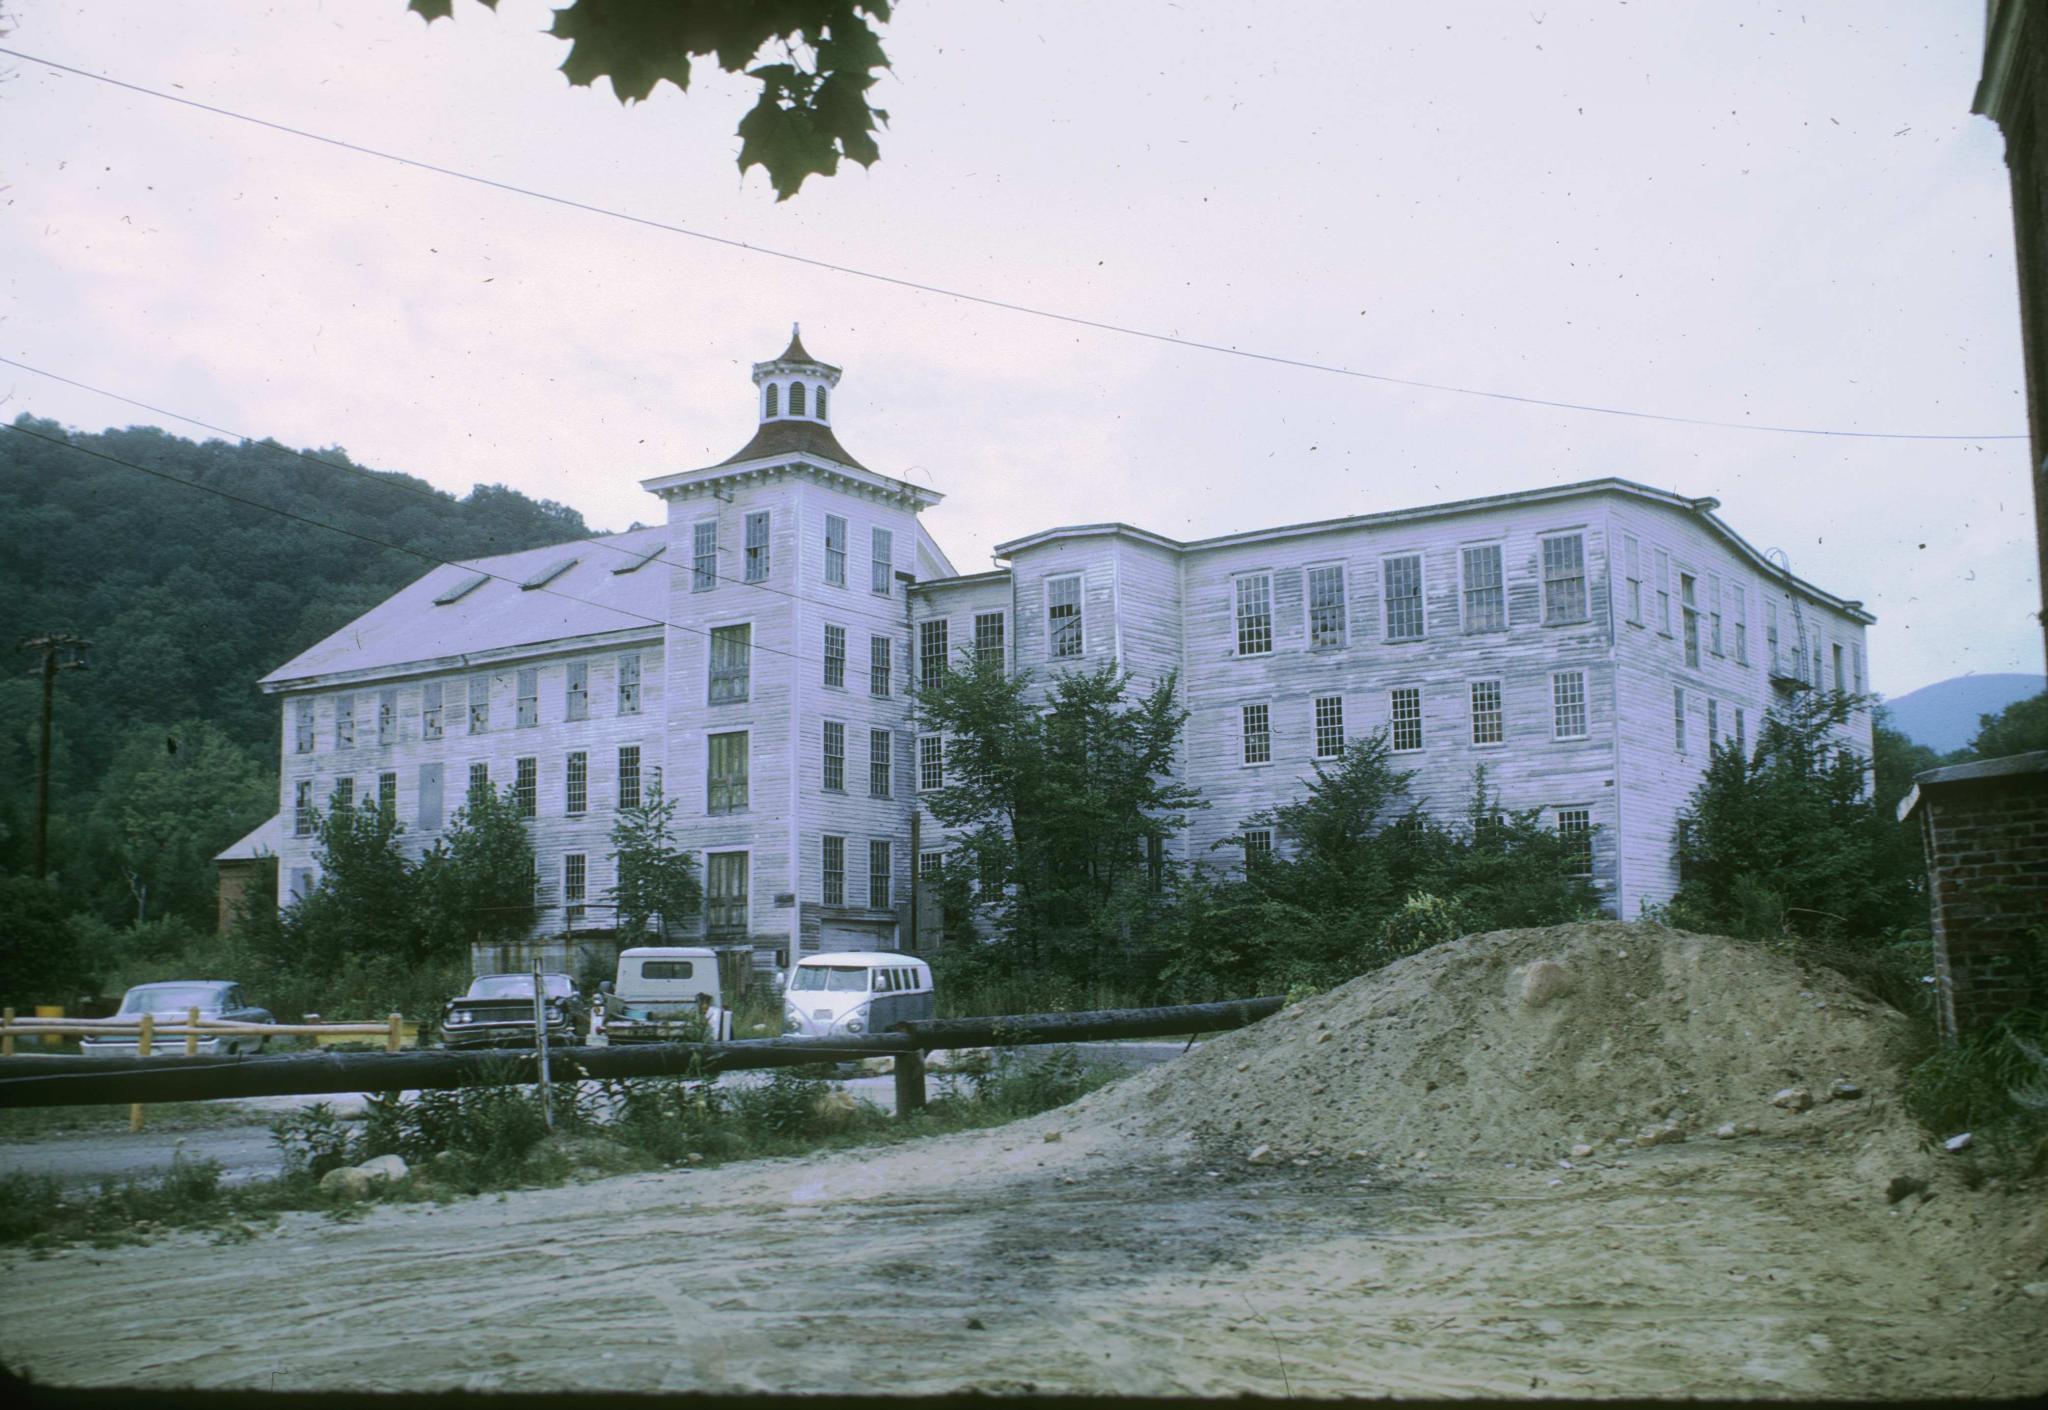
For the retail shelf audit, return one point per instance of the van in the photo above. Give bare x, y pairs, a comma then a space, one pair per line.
666, 994
855, 992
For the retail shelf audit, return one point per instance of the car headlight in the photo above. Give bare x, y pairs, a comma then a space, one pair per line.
856, 1024
457, 1019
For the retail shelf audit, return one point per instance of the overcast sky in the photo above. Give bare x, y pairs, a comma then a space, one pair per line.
1729, 211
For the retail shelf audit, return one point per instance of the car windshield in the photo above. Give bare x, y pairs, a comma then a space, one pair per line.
836, 978
173, 999
519, 986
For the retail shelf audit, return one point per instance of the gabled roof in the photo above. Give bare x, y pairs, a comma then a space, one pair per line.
612, 588
265, 841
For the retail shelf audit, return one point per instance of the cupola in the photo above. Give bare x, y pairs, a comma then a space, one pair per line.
795, 386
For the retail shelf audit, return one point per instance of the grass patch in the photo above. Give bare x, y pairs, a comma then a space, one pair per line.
44, 1123
1994, 1085
481, 1140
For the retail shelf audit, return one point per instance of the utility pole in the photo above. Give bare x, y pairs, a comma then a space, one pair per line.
61, 652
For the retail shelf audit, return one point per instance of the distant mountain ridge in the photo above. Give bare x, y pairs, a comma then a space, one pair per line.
1944, 716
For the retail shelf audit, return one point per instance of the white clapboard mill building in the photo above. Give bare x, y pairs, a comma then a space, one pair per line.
753, 656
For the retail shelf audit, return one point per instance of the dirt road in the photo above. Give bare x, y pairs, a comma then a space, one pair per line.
999, 1260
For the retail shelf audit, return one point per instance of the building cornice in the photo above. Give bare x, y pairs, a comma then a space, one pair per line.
705, 483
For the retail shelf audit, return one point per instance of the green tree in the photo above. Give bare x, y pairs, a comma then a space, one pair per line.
1064, 805
2017, 729
479, 882
1894, 760
656, 878
813, 109
40, 959
368, 902
1789, 839
173, 798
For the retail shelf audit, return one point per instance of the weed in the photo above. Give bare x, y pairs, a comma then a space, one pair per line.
1991, 1085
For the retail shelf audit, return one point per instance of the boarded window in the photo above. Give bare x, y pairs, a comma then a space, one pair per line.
881, 868
1405, 714
576, 784
757, 547
1485, 596
1401, 580
988, 639
880, 742
1488, 725
835, 656
1564, 579
835, 550
1329, 726
576, 691
732, 651
704, 556
1258, 734
880, 652
1255, 614
1327, 611
725, 773
1063, 628
526, 787
1841, 675
832, 889
629, 683
629, 775
430, 797
835, 756
1568, 705
931, 654
725, 895
529, 698
881, 560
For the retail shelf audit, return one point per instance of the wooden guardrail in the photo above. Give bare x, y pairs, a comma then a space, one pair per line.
89, 1081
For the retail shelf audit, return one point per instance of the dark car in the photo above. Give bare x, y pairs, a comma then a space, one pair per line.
498, 1012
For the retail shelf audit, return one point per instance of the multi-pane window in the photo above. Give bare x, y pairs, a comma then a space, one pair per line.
1405, 712
835, 656
1488, 721
1741, 624
988, 639
1741, 733
835, 550
344, 722
629, 683
576, 691
880, 652
1401, 579
879, 753
1713, 722
1664, 591
732, 653
1632, 564
575, 884
479, 704
1568, 705
304, 819
576, 784
931, 867
835, 756
1258, 845
1258, 734
430, 797
931, 654
479, 783
344, 795
1564, 578
881, 560
302, 727
725, 895
1714, 613
1326, 606
704, 559
1678, 717
1329, 726
629, 775
725, 773
1063, 616
1486, 603
387, 794
881, 869
526, 786
832, 882
528, 708
1771, 634
931, 762
430, 710
757, 547
1689, 611
387, 717
1575, 831
1815, 677
1255, 614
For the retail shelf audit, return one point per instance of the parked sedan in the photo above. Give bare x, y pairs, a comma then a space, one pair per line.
171, 1000
498, 1012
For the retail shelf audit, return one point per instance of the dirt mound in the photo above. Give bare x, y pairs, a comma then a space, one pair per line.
1524, 1043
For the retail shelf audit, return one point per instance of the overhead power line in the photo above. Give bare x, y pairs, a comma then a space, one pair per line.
421, 554
986, 301
434, 496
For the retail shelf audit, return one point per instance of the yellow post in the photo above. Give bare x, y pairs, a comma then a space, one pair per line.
192, 1032
396, 1035
142, 1045
6, 1032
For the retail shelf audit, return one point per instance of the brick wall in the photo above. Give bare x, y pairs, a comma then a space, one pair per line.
1987, 856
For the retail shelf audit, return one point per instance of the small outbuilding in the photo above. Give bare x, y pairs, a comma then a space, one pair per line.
246, 864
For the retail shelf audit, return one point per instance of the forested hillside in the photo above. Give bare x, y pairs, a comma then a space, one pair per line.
166, 751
